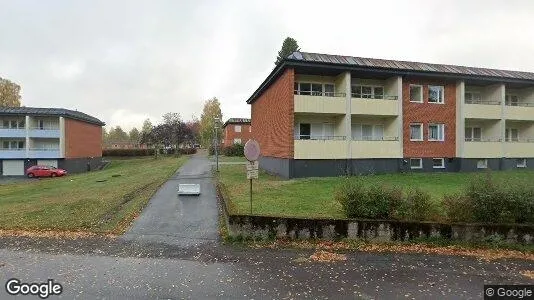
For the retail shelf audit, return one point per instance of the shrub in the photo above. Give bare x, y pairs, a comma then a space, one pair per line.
211, 150
458, 208
372, 203
234, 150
127, 152
187, 151
417, 206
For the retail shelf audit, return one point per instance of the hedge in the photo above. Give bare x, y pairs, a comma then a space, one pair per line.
146, 152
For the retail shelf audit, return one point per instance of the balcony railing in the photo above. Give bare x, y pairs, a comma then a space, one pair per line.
45, 128
321, 137
484, 139
484, 102
44, 149
375, 97
525, 104
518, 140
323, 94
376, 138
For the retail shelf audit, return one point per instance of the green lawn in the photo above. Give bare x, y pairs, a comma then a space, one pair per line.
80, 203
314, 197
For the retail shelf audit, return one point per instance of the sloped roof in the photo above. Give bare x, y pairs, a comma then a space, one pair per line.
407, 65
392, 67
236, 121
60, 112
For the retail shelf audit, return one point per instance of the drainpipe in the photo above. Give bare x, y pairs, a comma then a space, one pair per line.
348, 120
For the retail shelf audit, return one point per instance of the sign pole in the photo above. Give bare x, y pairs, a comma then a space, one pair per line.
251, 196
252, 153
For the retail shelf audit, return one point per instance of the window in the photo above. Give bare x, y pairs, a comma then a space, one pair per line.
304, 131
329, 90
237, 141
237, 128
511, 135
436, 132
21, 145
5, 124
314, 89
367, 132
435, 94
511, 100
438, 163
416, 93
40, 124
328, 130
416, 132
367, 91
482, 164
521, 162
320, 131
416, 163
317, 89
473, 134
472, 97
5, 145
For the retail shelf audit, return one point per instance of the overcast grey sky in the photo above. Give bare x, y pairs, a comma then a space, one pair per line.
124, 61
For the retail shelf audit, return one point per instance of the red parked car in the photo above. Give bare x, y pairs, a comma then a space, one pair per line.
44, 171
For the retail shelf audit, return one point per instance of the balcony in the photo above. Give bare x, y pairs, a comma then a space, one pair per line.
483, 147
43, 153
519, 111
46, 132
12, 153
519, 148
320, 147
386, 147
482, 109
383, 105
320, 102
12, 133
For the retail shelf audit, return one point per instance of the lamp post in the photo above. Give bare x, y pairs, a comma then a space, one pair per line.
216, 121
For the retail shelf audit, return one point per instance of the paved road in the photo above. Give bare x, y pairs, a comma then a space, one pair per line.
181, 220
172, 252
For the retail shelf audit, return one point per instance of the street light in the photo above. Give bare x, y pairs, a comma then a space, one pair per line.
217, 120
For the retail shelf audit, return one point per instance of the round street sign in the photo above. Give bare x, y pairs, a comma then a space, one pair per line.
252, 150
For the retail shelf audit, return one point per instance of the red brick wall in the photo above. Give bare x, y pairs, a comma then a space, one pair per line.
230, 134
427, 113
82, 139
272, 117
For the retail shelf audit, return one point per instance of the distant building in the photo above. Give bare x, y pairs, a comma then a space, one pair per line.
57, 137
236, 131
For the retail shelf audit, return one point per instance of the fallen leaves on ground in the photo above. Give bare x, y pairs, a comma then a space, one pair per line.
325, 256
52, 234
484, 254
529, 274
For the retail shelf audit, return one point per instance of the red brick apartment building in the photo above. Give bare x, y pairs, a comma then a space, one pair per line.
236, 131
57, 137
330, 115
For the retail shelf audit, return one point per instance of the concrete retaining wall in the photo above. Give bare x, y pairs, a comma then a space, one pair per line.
370, 230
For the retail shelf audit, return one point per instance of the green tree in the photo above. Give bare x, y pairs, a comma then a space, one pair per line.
147, 126
212, 110
134, 135
9, 93
117, 135
289, 46
171, 118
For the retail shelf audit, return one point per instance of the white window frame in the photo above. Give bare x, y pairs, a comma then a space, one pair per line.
521, 162
410, 93
442, 163
441, 132
472, 138
422, 132
484, 164
420, 166
508, 134
374, 130
361, 86
441, 94
237, 128
237, 141
508, 99
311, 83
472, 96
